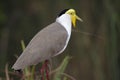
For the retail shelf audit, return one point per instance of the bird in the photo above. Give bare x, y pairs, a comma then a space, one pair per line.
51, 41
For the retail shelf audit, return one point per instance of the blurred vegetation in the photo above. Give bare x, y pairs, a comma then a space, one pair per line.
94, 44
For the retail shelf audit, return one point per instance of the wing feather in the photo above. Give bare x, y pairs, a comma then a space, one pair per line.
45, 44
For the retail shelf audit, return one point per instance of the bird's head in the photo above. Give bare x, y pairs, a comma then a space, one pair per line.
72, 14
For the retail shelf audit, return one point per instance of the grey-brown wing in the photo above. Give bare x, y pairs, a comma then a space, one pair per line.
47, 43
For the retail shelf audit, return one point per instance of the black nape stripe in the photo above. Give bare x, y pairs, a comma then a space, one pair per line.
63, 12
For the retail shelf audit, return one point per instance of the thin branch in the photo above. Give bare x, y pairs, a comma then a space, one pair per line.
89, 34
6, 72
72, 78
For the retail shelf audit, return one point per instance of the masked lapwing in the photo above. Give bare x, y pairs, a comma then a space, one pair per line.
49, 42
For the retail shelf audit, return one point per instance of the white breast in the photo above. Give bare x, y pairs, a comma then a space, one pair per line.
65, 21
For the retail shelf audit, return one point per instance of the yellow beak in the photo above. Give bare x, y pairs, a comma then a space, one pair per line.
74, 17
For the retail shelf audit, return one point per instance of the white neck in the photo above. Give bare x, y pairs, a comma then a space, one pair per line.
65, 21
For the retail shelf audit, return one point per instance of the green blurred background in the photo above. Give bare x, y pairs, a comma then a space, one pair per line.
94, 44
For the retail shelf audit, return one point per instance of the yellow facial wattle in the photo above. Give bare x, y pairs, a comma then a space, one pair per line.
74, 20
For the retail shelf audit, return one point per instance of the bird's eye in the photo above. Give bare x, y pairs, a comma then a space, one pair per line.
71, 13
